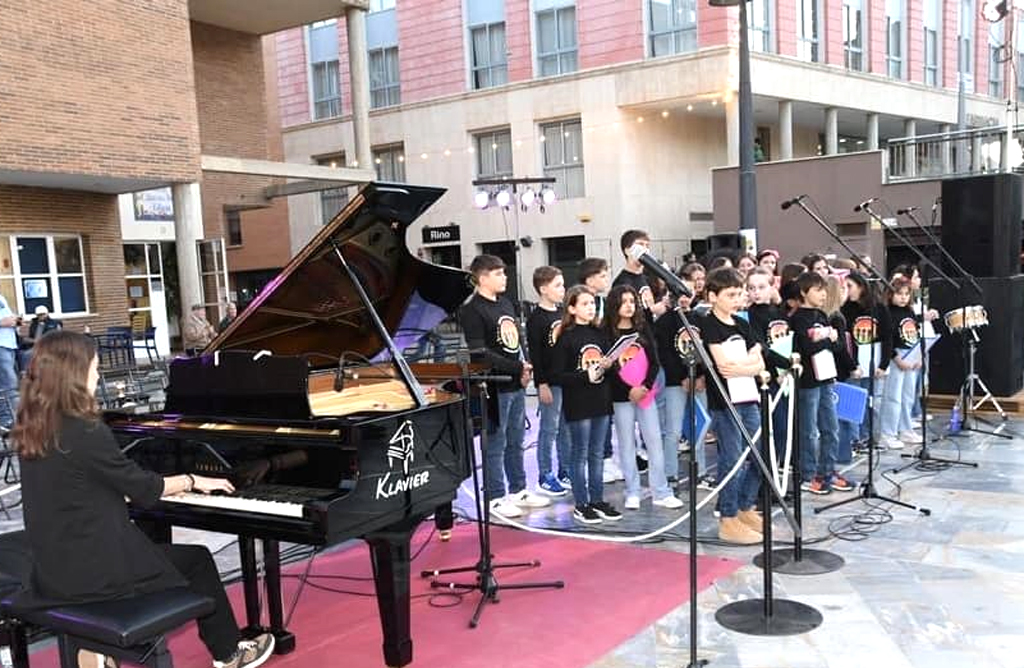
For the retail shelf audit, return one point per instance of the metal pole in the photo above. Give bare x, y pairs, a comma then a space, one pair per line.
748, 184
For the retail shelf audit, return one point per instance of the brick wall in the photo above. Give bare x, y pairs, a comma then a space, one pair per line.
833, 34
518, 40
785, 21
980, 55
83, 93
876, 37
949, 25
914, 50
230, 98
716, 26
292, 76
609, 32
94, 216
426, 70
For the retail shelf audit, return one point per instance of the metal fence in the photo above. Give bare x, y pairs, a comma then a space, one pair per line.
953, 154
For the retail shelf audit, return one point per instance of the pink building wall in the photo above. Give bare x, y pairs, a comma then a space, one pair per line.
609, 32
785, 21
716, 26
915, 36
949, 24
876, 37
344, 71
981, 55
517, 38
292, 77
833, 32
431, 53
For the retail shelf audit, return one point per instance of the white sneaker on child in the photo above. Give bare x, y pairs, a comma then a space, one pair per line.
505, 507
527, 499
890, 442
668, 502
632, 503
910, 438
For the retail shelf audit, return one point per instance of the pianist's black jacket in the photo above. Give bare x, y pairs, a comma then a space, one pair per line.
84, 547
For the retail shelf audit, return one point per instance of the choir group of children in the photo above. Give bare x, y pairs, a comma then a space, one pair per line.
616, 359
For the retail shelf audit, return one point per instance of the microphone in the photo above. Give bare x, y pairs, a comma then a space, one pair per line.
790, 202
865, 204
902, 212
936, 203
643, 255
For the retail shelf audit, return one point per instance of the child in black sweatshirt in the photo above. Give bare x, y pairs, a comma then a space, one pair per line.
631, 406
867, 320
579, 367
769, 324
814, 339
900, 391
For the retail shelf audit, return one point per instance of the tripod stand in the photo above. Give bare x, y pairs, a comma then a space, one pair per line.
965, 398
486, 582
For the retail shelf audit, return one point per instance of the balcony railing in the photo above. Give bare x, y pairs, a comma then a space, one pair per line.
954, 154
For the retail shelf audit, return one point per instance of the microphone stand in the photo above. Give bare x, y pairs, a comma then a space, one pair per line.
867, 488
969, 344
922, 455
486, 583
756, 616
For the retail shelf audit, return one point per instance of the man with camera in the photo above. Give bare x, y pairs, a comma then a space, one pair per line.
9, 323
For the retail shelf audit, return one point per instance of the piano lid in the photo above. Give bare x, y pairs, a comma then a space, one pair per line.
312, 308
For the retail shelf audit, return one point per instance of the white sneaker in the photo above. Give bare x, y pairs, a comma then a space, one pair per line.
890, 442
668, 502
505, 507
684, 445
527, 499
910, 438
607, 475
632, 503
612, 469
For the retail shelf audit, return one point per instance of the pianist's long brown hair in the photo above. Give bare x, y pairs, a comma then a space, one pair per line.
55, 385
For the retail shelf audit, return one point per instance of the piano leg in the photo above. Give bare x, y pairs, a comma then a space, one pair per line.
389, 551
250, 585
285, 640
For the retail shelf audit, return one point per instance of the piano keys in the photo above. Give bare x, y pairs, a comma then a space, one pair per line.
319, 453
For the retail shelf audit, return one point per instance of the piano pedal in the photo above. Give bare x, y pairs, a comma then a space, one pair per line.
445, 535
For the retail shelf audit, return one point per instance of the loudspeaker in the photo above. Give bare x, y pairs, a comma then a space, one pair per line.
727, 240
981, 223
1000, 358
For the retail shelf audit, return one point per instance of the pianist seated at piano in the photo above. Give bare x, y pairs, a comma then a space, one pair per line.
75, 484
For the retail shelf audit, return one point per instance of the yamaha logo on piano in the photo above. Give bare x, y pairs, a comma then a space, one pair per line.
401, 450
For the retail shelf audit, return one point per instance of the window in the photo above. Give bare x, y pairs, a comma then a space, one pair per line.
493, 154
760, 26
996, 60
325, 81
384, 83
563, 156
808, 21
1020, 61
673, 26
332, 200
381, 5
43, 271
565, 253
894, 38
853, 34
556, 41
932, 30
389, 163
490, 64
965, 44
233, 220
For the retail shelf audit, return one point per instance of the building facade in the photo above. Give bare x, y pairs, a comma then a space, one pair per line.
627, 104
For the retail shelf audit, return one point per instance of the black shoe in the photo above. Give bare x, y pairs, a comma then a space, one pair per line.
641, 464
586, 514
605, 511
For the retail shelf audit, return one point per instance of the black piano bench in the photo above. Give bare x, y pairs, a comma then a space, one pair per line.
129, 629
15, 563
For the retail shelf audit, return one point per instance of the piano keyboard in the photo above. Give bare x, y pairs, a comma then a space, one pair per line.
246, 504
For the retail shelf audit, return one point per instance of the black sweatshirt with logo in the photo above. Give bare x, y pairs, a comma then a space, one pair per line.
492, 333
586, 388
620, 390
542, 330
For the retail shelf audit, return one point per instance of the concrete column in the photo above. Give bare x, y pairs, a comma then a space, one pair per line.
188, 229
831, 131
977, 160
359, 78
785, 129
910, 150
732, 131
872, 132
947, 151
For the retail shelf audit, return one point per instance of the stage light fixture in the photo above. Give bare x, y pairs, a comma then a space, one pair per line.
481, 199
547, 195
527, 198
503, 198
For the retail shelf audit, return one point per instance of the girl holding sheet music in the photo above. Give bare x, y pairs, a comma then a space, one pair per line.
580, 367
846, 365
867, 320
634, 391
772, 330
900, 392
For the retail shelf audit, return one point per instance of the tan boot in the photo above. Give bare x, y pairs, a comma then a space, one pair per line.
751, 519
732, 530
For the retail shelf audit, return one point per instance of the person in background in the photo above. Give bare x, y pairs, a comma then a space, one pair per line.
816, 263
41, 324
75, 481
9, 323
868, 324
900, 391
846, 363
198, 331
769, 259
231, 314
633, 274
745, 263
696, 274
542, 330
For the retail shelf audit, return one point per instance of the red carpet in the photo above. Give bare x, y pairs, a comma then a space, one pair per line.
612, 592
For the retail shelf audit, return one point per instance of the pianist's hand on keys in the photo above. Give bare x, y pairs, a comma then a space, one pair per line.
180, 484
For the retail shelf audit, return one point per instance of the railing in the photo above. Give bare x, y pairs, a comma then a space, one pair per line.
953, 154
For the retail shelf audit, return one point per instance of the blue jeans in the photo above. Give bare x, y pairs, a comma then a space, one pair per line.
897, 401
819, 428
552, 428
8, 385
676, 398
627, 416
740, 493
504, 456
587, 437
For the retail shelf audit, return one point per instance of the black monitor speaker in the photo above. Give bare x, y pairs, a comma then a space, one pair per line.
724, 241
981, 223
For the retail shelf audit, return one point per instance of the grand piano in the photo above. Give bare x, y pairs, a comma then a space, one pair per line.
308, 406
